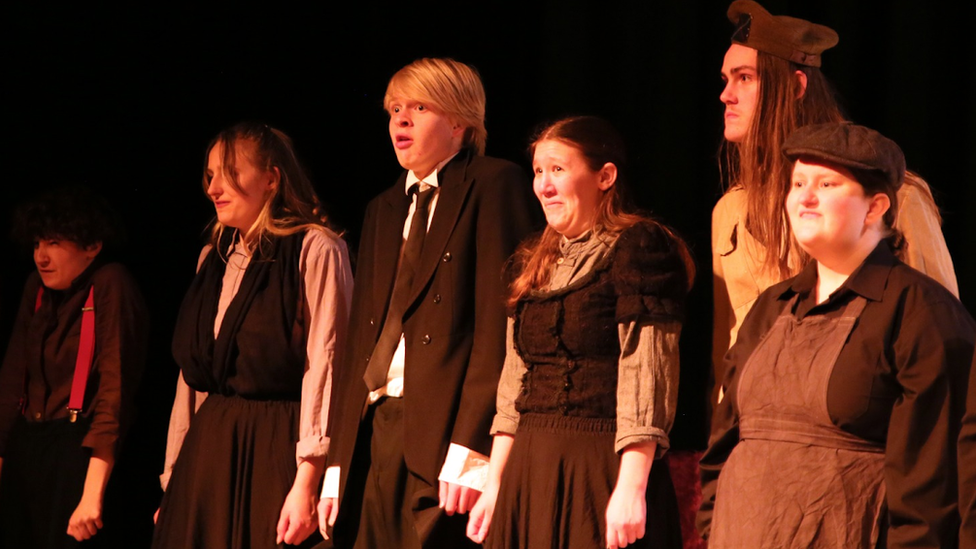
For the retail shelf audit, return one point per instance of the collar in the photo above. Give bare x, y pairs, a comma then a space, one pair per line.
868, 280
431, 179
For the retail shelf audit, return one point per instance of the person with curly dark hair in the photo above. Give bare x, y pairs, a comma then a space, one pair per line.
75, 357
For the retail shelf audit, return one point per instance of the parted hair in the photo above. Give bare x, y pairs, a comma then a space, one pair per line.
451, 88
291, 206
599, 143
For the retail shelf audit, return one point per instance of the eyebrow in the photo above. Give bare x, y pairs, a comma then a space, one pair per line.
741, 68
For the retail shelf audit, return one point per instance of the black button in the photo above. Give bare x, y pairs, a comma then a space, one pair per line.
425, 340
367, 358
446, 257
437, 298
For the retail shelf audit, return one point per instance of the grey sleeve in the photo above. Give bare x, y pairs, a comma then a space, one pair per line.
647, 383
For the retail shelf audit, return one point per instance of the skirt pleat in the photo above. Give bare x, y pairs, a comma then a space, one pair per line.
235, 468
557, 483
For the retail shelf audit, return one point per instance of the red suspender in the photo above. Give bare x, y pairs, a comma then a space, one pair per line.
86, 353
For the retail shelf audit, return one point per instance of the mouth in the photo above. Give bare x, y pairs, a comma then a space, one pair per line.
221, 203
402, 141
808, 215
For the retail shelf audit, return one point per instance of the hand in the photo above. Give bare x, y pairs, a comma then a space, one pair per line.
626, 516
298, 517
481, 513
86, 520
455, 498
328, 510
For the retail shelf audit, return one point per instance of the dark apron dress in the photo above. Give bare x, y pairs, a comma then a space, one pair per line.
795, 479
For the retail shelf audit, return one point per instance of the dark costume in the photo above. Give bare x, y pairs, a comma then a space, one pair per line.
840, 420
453, 329
562, 468
238, 460
45, 456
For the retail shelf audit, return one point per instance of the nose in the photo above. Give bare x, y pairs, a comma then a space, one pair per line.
727, 96
40, 254
215, 187
401, 119
543, 185
807, 195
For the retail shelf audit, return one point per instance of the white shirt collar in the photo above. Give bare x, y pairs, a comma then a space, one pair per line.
430, 179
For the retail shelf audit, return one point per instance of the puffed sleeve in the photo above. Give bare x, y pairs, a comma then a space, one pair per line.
933, 348
121, 339
327, 276
509, 386
649, 275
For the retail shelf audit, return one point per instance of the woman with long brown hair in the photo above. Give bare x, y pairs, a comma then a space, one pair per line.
589, 386
256, 338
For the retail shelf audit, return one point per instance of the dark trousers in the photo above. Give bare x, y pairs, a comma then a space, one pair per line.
397, 509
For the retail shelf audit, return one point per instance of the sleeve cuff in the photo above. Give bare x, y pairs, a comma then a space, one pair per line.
310, 447
649, 434
330, 486
465, 467
503, 424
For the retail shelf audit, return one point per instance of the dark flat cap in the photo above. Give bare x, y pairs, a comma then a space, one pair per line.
789, 38
851, 146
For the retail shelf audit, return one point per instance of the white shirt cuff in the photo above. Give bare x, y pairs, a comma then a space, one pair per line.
330, 486
465, 467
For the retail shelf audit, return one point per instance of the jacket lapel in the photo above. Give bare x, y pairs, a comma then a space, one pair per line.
454, 188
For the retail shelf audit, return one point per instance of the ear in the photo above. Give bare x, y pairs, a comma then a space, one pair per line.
801, 80
457, 129
275, 178
608, 176
92, 250
880, 203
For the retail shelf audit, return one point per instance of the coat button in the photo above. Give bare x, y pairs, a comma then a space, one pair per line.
37, 415
446, 258
437, 298
372, 322
425, 340
367, 358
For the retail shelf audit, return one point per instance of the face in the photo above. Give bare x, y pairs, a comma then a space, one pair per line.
59, 262
829, 212
569, 191
422, 137
238, 208
741, 91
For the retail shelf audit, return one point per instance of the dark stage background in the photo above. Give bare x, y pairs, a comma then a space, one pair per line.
124, 100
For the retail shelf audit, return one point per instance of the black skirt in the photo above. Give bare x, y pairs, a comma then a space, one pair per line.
235, 467
557, 484
41, 483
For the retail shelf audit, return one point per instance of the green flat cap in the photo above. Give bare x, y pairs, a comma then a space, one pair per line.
848, 145
788, 38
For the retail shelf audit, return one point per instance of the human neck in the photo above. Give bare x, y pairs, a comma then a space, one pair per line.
832, 272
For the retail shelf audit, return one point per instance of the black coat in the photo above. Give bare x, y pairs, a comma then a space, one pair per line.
454, 325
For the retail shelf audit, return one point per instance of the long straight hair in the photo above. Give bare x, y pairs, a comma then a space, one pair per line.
291, 206
757, 163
